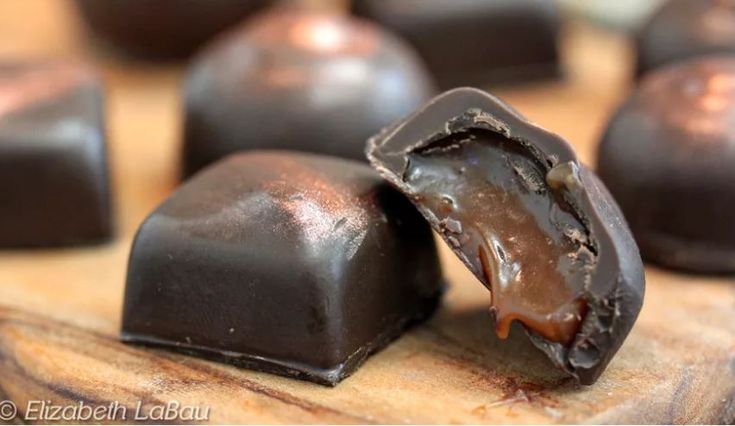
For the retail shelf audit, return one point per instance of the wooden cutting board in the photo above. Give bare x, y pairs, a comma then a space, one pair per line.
60, 309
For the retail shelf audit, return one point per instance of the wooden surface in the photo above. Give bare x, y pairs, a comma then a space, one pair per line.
60, 309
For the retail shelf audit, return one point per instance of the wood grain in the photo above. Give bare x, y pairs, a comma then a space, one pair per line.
450, 371
60, 309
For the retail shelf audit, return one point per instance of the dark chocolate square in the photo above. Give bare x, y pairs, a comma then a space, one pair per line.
289, 263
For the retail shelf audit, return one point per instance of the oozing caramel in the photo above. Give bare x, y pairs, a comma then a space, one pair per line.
519, 236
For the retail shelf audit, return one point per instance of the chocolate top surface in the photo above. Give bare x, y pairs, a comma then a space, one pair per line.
696, 98
55, 104
596, 274
320, 205
287, 49
26, 86
682, 29
679, 124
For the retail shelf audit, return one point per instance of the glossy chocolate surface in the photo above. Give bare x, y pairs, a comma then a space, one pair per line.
298, 80
53, 166
475, 42
683, 29
668, 156
162, 29
534, 225
288, 263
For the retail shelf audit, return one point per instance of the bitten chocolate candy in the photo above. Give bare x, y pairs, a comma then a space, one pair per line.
302, 81
53, 167
532, 223
668, 156
475, 42
162, 29
288, 263
683, 29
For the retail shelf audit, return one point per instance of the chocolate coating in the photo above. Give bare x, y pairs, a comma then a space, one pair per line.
475, 42
534, 225
288, 263
162, 29
302, 81
54, 186
683, 29
668, 156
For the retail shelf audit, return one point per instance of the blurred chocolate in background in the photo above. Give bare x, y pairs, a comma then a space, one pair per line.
301, 80
162, 29
683, 29
475, 42
54, 188
668, 157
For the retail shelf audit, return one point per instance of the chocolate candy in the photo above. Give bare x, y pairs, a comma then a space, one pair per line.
53, 168
162, 29
299, 80
294, 264
668, 156
475, 42
535, 226
683, 29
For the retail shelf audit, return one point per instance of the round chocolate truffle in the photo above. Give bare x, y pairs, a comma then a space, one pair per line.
683, 29
162, 29
298, 80
668, 157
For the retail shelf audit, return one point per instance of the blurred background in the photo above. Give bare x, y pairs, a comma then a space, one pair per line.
144, 123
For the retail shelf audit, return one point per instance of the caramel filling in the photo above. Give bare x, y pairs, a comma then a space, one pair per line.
520, 237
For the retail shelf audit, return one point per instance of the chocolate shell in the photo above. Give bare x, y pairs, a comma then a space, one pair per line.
668, 157
534, 225
54, 185
288, 263
684, 29
299, 80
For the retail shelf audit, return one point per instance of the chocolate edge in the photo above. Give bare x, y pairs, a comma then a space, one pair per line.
329, 376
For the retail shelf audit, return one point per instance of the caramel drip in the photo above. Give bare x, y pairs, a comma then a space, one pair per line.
552, 327
494, 206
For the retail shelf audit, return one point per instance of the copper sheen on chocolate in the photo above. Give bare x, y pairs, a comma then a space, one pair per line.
523, 241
